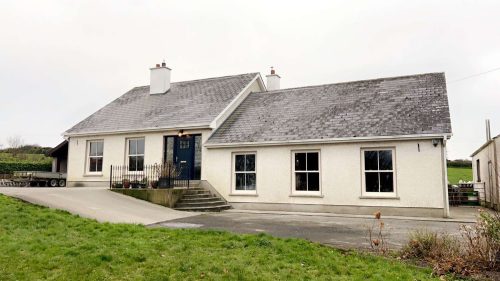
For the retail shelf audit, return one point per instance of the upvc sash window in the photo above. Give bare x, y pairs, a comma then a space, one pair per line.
245, 175
306, 175
136, 154
378, 172
95, 156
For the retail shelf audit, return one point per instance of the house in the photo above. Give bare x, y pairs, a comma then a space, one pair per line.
485, 171
59, 155
354, 147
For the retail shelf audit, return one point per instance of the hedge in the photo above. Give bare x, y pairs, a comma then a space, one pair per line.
9, 167
460, 163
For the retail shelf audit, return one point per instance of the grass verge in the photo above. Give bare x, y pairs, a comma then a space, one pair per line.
40, 243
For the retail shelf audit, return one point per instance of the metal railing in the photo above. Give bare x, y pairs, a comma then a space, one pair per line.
463, 194
150, 176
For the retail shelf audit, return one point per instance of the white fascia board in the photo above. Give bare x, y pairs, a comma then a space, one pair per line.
145, 130
232, 105
327, 141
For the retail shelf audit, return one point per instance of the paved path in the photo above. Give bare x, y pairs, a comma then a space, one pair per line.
341, 231
97, 203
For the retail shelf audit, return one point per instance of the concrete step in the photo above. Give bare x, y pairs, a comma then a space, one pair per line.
205, 209
200, 204
194, 196
198, 199
196, 192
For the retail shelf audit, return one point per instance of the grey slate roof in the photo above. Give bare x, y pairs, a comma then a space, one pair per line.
396, 106
189, 103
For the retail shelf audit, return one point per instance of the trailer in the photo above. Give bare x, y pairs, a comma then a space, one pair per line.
38, 178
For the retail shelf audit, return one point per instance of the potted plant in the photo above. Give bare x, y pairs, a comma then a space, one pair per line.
126, 183
166, 173
135, 184
154, 184
143, 183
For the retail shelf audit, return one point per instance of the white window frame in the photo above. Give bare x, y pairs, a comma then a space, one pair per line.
127, 156
88, 156
234, 191
394, 174
307, 192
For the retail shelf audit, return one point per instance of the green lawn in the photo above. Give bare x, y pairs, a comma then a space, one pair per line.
39, 243
457, 174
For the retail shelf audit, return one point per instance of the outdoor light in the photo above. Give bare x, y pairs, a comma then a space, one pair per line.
435, 142
181, 132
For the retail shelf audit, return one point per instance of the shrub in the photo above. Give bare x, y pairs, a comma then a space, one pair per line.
482, 241
478, 249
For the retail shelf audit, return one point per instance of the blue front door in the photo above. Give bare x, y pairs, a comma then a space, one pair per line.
184, 156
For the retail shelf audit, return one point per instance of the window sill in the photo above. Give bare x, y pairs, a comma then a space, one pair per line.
307, 195
93, 175
244, 194
379, 197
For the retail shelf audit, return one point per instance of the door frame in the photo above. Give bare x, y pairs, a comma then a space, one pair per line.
175, 151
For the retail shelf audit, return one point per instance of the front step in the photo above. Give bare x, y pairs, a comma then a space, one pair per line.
201, 200
205, 209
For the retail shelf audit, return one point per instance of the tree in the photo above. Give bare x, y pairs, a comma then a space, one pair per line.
14, 143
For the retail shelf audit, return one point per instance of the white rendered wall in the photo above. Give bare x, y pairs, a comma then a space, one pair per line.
488, 181
419, 175
115, 154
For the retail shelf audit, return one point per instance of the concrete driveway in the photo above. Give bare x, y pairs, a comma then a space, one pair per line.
97, 203
342, 231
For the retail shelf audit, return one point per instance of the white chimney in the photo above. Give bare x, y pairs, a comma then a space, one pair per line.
160, 79
488, 130
273, 81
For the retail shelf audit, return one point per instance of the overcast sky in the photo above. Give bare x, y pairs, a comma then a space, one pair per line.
60, 61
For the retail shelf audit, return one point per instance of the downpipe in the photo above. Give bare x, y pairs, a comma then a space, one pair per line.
446, 201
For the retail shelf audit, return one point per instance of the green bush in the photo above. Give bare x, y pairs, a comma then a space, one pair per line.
9, 167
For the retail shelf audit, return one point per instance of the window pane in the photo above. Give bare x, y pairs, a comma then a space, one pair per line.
93, 149
140, 146
386, 182
312, 161
184, 143
385, 159
371, 160
140, 163
251, 181
239, 163
301, 181
371, 182
99, 165
100, 146
132, 147
240, 181
132, 163
197, 157
169, 157
250, 163
93, 165
313, 181
300, 161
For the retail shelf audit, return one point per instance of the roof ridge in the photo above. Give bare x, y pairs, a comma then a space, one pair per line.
351, 82
204, 79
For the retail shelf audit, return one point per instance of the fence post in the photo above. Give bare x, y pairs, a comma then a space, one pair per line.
111, 177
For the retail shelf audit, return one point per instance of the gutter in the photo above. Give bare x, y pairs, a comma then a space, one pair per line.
330, 140
188, 127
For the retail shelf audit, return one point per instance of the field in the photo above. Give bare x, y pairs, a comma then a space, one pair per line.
39, 243
456, 174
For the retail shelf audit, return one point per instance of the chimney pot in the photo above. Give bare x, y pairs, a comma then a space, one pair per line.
272, 70
159, 79
163, 64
